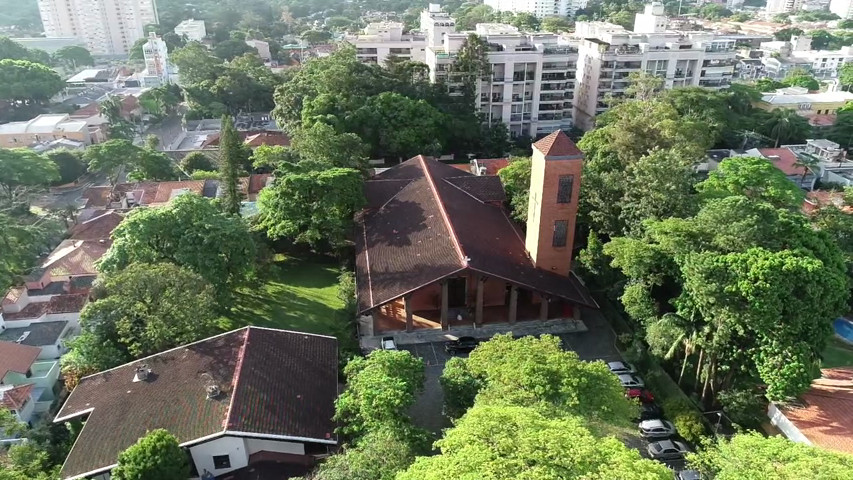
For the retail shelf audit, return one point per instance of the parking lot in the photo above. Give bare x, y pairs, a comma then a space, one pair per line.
598, 343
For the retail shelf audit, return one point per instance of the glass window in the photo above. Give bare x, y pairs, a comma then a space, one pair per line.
221, 461
564, 191
561, 230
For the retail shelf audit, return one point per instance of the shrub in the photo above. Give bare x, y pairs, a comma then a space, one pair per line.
206, 175
460, 387
686, 418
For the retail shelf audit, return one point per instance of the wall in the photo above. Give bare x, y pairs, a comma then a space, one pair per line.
26, 413
791, 432
254, 445
234, 447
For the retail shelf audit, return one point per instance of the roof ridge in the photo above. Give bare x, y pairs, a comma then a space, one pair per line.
447, 180
238, 368
453, 238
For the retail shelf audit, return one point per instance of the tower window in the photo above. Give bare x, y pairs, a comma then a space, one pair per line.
561, 230
564, 191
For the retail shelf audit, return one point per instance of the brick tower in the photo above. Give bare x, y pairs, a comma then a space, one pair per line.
555, 182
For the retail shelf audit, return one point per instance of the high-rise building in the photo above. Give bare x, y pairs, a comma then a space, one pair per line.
158, 70
194, 30
106, 27
842, 8
783, 6
381, 40
539, 8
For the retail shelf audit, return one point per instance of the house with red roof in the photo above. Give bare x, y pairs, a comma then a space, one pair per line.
254, 400
19, 401
436, 249
20, 367
821, 416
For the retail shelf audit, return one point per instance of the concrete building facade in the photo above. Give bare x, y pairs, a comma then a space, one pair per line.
381, 40
783, 6
157, 67
842, 8
539, 8
106, 27
194, 30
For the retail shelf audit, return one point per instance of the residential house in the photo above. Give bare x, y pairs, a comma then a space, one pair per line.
436, 249
44, 128
809, 105
254, 397
20, 402
48, 336
20, 366
821, 417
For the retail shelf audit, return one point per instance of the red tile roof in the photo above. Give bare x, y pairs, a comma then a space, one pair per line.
557, 144
17, 358
97, 196
13, 295
825, 418
425, 222
822, 120
824, 198
271, 382
267, 138
97, 228
166, 191
75, 257
784, 159
465, 167
16, 397
68, 303
493, 165
89, 110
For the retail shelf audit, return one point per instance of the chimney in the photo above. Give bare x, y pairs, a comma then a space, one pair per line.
212, 391
141, 374
555, 180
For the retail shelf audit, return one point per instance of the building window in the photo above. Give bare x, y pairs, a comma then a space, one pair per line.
221, 461
564, 191
561, 230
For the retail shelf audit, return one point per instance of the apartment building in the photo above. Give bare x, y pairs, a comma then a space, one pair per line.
609, 53
381, 40
106, 27
158, 70
539, 8
783, 6
797, 53
842, 8
533, 75
45, 127
194, 30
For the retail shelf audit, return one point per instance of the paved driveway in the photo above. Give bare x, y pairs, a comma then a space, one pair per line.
426, 412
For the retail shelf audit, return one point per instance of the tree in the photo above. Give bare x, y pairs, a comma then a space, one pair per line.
841, 132
755, 178
21, 170
152, 165
400, 127
110, 156
231, 49
802, 80
230, 150
22, 240
472, 61
196, 161
316, 37
270, 157
557, 24
12, 50
785, 34
190, 232
320, 143
379, 455
509, 442
471, 14
515, 178
120, 128
845, 75
195, 63
156, 456
73, 57
23, 82
380, 389
69, 163
751, 455
311, 206
785, 126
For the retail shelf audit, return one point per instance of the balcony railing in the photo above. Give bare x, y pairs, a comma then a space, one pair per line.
521, 77
560, 50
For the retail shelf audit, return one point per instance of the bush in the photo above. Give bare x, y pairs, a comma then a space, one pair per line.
460, 387
206, 175
686, 418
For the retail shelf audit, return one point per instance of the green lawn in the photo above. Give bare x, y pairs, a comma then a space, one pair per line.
837, 354
296, 294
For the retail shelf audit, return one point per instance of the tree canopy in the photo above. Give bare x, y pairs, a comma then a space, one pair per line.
73, 56
190, 232
156, 456
21, 170
23, 82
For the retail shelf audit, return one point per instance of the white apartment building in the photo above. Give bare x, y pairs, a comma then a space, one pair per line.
539, 8
194, 30
608, 54
842, 8
783, 6
263, 49
797, 53
106, 27
157, 68
381, 40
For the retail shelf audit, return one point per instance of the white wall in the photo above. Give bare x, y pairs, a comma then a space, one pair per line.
781, 421
254, 445
234, 447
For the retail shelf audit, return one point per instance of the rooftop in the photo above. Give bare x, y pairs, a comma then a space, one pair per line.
97, 228
796, 99
557, 144
75, 257
784, 159
273, 383
57, 304
46, 123
824, 417
426, 220
16, 358
14, 398
37, 334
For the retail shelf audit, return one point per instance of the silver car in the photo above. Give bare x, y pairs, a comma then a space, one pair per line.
657, 429
667, 450
631, 381
621, 367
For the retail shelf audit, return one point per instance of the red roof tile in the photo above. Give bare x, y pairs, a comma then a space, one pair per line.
15, 397
75, 257
557, 144
97, 196
493, 165
824, 198
97, 228
68, 303
166, 191
822, 120
267, 138
271, 382
17, 358
825, 417
13, 295
465, 167
784, 159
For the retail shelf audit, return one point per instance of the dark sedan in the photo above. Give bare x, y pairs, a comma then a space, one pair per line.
461, 345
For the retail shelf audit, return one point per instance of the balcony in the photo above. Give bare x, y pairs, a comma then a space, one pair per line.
555, 66
521, 77
560, 50
552, 87
553, 77
628, 65
518, 98
715, 83
552, 97
518, 117
365, 51
719, 63
546, 117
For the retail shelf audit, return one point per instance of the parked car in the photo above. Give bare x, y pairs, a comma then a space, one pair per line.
688, 475
657, 429
461, 345
649, 411
667, 450
388, 343
631, 381
641, 394
621, 367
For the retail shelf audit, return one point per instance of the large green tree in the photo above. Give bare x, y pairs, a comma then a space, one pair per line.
21, 170
785, 126
69, 164
515, 178
320, 143
379, 455
230, 152
73, 57
510, 442
755, 178
23, 82
311, 206
752, 455
190, 232
156, 456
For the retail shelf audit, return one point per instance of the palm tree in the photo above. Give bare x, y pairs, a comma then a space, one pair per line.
807, 162
674, 333
785, 126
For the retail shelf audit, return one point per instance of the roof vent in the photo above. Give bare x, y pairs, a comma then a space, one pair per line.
142, 373
23, 337
212, 391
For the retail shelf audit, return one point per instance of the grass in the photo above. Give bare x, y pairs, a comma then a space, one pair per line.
295, 294
837, 354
